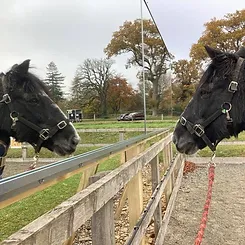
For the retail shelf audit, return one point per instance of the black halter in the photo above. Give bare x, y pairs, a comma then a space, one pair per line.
199, 129
44, 133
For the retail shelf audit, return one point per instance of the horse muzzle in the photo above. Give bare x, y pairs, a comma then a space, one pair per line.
184, 142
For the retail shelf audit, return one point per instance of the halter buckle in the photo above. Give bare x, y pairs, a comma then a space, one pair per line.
233, 86
62, 124
198, 130
44, 134
182, 121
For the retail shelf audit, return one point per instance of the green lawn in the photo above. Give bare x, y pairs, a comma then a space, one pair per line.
104, 137
224, 151
241, 137
19, 214
134, 124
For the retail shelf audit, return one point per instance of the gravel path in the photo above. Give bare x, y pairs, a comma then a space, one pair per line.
226, 223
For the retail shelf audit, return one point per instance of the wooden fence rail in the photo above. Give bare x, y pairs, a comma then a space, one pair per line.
95, 201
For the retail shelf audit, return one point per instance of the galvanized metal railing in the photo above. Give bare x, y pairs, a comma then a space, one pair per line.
14, 185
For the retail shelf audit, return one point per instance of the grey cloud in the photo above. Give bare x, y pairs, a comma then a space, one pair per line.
67, 32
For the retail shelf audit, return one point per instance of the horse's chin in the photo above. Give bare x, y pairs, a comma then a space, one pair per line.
188, 149
61, 151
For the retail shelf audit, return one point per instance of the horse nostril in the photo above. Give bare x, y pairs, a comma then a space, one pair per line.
75, 140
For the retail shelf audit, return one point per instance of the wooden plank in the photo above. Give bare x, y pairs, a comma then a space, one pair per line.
155, 176
169, 187
121, 203
135, 201
166, 218
134, 189
135, 193
145, 219
171, 151
128, 154
121, 135
103, 230
78, 209
84, 181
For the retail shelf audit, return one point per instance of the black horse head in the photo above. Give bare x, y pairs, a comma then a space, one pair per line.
217, 109
28, 114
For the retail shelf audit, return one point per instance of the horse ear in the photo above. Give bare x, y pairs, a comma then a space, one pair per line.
212, 52
241, 52
23, 67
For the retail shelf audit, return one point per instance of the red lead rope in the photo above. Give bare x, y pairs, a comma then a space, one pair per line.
207, 205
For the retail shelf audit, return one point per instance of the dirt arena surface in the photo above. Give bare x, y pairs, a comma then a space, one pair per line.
226, 222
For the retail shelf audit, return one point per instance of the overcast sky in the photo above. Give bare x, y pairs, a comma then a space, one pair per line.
69, 31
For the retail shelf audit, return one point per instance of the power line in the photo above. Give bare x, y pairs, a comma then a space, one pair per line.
156, 26
143, 61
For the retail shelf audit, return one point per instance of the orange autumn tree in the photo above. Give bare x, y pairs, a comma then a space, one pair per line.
187, 75
226, 34
127, 40
120, 94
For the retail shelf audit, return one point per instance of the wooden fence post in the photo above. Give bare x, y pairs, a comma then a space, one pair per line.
103, 231
166, 165
135, 193
121, 135
24, 150
84, 182
155, 176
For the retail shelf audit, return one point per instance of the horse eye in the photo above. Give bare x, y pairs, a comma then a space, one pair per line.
205, 94
33, 101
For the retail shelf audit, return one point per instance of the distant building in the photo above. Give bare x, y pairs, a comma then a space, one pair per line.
75, 115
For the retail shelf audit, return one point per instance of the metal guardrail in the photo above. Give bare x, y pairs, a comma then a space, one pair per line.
13, 185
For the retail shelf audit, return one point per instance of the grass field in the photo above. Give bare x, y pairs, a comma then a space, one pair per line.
134, 124
23, 212
19, 214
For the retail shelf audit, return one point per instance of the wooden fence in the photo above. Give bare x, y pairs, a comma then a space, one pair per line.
95, 201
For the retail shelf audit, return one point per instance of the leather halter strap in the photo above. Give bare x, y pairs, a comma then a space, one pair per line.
199, 129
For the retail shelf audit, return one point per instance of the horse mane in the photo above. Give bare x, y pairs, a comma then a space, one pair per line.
31, 82
224, 64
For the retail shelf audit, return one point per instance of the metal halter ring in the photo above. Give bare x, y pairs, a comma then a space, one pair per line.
226, 106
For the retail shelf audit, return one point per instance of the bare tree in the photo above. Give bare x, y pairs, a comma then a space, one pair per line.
94, 76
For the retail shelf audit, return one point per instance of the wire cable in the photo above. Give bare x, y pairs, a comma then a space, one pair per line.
156, 26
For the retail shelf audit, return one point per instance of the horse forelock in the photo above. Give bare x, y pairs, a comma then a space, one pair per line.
37, 83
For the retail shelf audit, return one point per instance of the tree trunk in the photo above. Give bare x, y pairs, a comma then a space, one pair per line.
104, 107
155, 98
